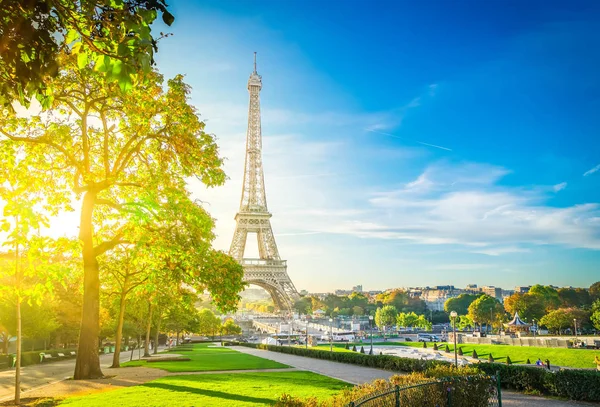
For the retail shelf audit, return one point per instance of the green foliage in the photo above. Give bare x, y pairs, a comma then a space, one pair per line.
594, 291
424, 345
386, 316
474, 354
486, 310
490, 358
231, 328
460, 304
409, 320
508, 361
447, 350
529, 306
562, 318
353, 348
347, 346
569, 383
113, 36
400, 300
303, 306
460, 351
595, 315
362, 350
435, 346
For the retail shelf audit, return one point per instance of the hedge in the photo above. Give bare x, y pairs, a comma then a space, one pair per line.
574, 384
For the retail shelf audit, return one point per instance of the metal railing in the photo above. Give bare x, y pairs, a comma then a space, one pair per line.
461, 391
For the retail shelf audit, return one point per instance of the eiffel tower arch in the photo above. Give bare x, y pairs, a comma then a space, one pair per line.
268, 271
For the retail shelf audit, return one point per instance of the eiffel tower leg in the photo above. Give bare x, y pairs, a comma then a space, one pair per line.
238, 244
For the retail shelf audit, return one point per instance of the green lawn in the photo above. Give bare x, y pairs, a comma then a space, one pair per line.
241, 389
582, 358
207, 357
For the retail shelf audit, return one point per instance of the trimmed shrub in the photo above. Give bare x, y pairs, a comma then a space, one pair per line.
447, 350
508, 361
380, 352
362, 350
347, 346
460, 352
491, 358
353, 348
424, 345
528, 361
435, 347
475, 355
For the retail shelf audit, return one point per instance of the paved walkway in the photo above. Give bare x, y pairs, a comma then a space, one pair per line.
359, 374
40, 375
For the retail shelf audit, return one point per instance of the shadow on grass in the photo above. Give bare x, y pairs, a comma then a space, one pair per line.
209, 393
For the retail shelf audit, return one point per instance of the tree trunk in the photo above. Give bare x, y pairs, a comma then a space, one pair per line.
157, 334
18, 365
148, 327
119, 335
88, 360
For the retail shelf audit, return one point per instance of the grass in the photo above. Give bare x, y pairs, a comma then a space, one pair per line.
577, 358
219, 390
207, 357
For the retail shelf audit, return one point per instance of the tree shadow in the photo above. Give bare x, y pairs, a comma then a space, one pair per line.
209, 393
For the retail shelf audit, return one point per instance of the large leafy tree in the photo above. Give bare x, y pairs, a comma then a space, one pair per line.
595, 291
460, 304
115, 34
529, 306
486, 310
122, 154
386, 316
574, 297
562, 318
547, 294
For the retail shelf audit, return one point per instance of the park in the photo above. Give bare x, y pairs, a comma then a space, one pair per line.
130, 276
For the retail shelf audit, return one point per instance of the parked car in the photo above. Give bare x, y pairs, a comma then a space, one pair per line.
428, 338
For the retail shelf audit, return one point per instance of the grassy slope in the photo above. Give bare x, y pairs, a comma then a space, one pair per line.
579, 358
219, 390
205, 357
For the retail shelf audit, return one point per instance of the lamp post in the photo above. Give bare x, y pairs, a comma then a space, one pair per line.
331, 334
371, 329
306, 344
534, 328
575, 324
453, 315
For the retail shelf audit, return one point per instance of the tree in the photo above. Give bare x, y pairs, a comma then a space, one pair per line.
209, 323
460, 304
231, 328
358, 311
407, 320
529, 306
386, 316
486, 310
141, 149
595, 315
562, 318
574, 297
464, 322
303, 306
594, 291
548, 295
115, 35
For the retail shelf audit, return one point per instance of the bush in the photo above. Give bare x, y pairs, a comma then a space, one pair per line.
572, 383
460, 352
508, 361
491, 358
528, 361
435, 347
353, 348
347, 346
447, 349
424, 345
362, 350
475, 355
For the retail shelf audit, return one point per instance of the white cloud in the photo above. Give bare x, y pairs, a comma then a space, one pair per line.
559, 187
592, 170
498, 251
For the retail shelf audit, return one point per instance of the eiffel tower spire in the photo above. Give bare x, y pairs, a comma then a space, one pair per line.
268, 271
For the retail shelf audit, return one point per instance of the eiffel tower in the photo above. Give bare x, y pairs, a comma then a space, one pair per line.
268, 271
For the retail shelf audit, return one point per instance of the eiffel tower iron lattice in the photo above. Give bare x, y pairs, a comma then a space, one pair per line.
268, 271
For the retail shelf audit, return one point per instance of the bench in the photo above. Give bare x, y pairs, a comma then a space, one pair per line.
46, 357
73, 353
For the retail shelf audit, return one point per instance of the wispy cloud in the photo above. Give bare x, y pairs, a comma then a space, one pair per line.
407, 139
592, 171
559, 187
498, 251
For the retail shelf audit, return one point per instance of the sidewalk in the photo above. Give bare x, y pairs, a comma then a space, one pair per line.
43, 374
359, 374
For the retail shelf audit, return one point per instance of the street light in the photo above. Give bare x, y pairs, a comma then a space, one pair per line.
306, 344
453, 316
371, 326
575, 323
534, 328
331, 334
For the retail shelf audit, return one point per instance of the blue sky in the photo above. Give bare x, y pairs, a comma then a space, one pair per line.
408, 143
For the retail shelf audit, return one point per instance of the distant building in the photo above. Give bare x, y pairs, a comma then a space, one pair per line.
506, 294
492, 291
436, 297
303, 292
343, 292
472, 288
522, 289
357, 288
